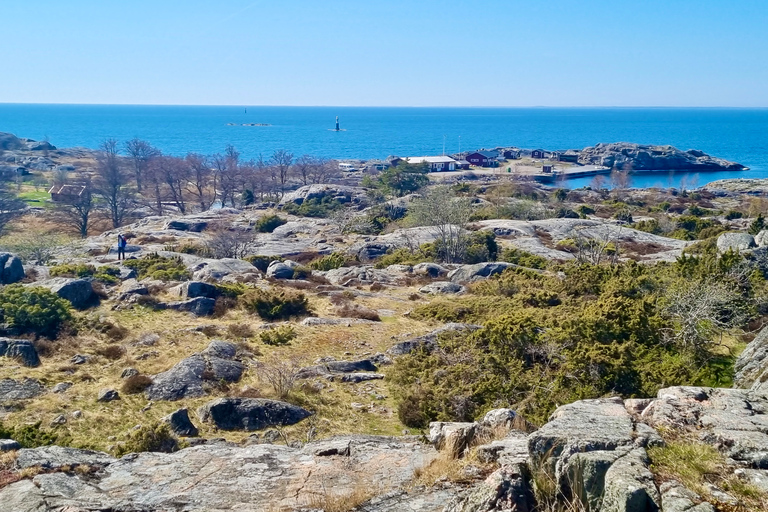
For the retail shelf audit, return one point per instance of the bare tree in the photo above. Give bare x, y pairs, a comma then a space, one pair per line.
141, 153
621, 180
303, 164
323, 170
230, 180
174, 174
202, 181
281, 161
11, 207
598, 245
79, 213
226, 242
281, 374
446, 217
111, 184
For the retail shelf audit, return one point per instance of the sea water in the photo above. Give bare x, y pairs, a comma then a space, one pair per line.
740, 135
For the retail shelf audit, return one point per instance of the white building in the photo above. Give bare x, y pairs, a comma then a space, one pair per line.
436, 163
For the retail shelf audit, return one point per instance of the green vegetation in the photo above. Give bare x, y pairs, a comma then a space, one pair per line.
547, 340
105, 274
269, 223
757, 225
33, 310
315, 207
281, 335
476, 247
275, 304
400, 180
262, 262
330, 262
31, 435
158, 267
149, 438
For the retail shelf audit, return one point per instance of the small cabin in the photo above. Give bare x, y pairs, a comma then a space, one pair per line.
539, 154
483, 158
547, 169
66, 194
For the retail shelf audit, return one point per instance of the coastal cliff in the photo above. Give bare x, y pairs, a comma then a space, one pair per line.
640, 157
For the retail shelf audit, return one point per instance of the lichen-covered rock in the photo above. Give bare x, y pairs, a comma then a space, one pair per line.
442, 287
199, 306
478, 271
752, 363
187, 377
53, 457
79, 292
11, 268
108, 395
738, 242
250, 413
21, 350
193, 289
629, 485
12, 390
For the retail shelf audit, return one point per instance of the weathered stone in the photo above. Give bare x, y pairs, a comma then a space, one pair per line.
355, 378
500, 418
279, 270
7, 445
629, 485
79, 292
180, 423
752, 363
108, 395
22, 350
11, 390
452, 436
250, 413
372, 251
738, 242
442, 287
224, 269
128, 373
11, 268
185, 225
53, 457
676, 498
507, 488
199, 306
641, 157
478, 271
513, 449
192, 289
430, 270
61, 387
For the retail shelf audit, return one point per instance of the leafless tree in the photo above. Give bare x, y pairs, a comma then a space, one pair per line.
111, 183
281, 374
282, 160
228, 242
10, 207
174, 174
230, 180
621, 180
202, 181
303, 164
141, 153
597, 245
446, 217
79, 213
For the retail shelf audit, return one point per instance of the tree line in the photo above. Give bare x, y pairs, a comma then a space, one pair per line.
136, 176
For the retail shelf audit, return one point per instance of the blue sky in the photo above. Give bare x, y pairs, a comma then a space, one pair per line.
387, 53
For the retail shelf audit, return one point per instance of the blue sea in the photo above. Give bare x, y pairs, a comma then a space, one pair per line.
740, 135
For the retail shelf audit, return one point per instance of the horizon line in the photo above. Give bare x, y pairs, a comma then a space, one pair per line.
238, 105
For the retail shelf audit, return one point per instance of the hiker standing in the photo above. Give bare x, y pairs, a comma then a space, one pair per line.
121, 247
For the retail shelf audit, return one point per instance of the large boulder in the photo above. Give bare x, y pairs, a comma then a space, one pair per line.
21, 350
199, 306
280, 270
442, 288
371, 251
738, 242
186, 225
344, 194
225, 269
54, 457
250, 413
187, 378
478, 271
180, 423
11, 268
79, 292
194, 289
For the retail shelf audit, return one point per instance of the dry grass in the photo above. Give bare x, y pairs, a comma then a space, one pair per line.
330, 501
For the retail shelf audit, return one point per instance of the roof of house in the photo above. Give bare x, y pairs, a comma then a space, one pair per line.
486, 154
70, 190
430, 159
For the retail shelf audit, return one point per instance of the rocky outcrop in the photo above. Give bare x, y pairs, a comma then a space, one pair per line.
188, 377
12, 390
478, 271
250, 413
267, 476
21, 350
53, 457
442, 288
751, 366
346, 195
180, 423
199, 306
11, 268
640, 157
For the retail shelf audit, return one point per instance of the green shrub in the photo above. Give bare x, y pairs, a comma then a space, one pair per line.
158, 267
72, 270
757, 225
231, 290
278, 336
269, 223
523, 258
733, 214
30, 436
624, 215
149, 438
585, 210
275, 304
402, 256
330, 262
262, 262
649, 226
314, 207
33, 310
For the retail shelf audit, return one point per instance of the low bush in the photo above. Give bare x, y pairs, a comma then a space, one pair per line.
30, 436
149, 438
278, 336
240, 331
330, 262
314, 207
159, 267
355, 311
733, 214
275, 304
72, 270
33, 310
523, 258
262, 262
136, 384
112, 352
269, 223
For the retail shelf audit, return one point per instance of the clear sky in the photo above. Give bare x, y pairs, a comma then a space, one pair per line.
387, 53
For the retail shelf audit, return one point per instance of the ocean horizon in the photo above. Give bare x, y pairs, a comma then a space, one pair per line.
735, 133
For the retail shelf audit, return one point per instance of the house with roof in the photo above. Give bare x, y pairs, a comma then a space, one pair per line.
66, 194
483, 158
538, 154
436, 163
512, 154
571, 156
